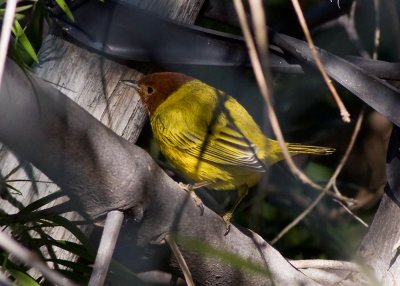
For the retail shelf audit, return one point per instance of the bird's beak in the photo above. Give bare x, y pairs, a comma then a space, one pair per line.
131, 83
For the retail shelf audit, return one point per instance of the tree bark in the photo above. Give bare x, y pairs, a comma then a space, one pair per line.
379, 250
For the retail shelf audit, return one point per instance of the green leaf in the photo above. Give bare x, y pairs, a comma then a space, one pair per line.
71, 227
75, 248
18, 16
19, 58
71, 247
23, 8
41, 202
9, 193
50, 250
16, 191
23, 278
24, 41
65, 8
37, 18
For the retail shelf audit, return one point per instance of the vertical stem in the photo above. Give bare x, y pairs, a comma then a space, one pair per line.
6, 33
106, 248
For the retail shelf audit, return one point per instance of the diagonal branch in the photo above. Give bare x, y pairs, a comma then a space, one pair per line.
31, 259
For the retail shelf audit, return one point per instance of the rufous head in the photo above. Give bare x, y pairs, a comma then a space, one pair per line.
155, 88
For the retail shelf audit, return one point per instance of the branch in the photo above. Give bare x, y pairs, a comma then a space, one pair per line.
5, 34
31, 259
106, 247
326, 264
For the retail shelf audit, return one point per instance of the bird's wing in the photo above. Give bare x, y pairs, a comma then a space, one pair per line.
222, 143
227, 145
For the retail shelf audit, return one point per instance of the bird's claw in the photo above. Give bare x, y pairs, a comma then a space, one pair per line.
227, 220
189, 189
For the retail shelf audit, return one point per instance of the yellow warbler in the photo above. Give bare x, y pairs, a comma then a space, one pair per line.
207, 135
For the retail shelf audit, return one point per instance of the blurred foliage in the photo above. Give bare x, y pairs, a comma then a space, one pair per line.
31, 226
28, 28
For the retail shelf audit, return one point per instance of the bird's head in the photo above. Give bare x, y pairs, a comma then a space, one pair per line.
155, 88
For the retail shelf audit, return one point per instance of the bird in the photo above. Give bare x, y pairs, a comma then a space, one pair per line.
208, 136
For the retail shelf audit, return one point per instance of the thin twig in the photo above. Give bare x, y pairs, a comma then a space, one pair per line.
259, 22
326, 264
13, 171
346, 155
377, 32
262, 84
181, 260
32, 259
360, 220
353, 35
343, 111
299, 218
27, 180
338, 3
6, 33
348, 23
331, 183
109, 238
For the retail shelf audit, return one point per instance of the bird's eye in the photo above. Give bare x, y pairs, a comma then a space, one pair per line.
150, 90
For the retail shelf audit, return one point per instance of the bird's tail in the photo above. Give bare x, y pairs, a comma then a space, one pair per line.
295, 148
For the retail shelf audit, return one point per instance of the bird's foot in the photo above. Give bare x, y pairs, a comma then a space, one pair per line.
227, 220
190, 189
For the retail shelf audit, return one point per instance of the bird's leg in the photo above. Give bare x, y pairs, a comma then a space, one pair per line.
228, 215
191, 190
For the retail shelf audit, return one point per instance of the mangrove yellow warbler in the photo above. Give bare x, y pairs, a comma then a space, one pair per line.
207, 135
